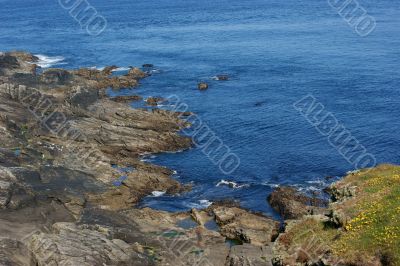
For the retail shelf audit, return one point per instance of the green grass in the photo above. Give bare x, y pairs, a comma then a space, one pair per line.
372, 231
375, 229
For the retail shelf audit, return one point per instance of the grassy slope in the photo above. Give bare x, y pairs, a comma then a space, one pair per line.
371, 231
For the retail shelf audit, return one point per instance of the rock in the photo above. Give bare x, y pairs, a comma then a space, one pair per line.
109, 69
249, 255
299, 243
250, 228
17, 63
13, 192
13, 252
337, 218
289, 203
341, 193
8, 61
75, 204
5, 193
222, 77
128, 98
185, 114
7, 182
70, 244
200, 217
137, 73
55, 76
82, 97
24, 56
202, 86
147, 65
91, 73
118, 82
153, 101
197, 247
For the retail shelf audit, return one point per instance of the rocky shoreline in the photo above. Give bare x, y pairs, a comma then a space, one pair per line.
71, 174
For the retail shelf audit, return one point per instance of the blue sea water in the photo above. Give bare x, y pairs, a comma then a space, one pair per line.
275, 52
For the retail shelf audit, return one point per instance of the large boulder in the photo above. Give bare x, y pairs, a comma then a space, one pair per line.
291, 204
236, 223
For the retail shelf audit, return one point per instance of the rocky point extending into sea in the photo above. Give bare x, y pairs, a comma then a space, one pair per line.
71, 175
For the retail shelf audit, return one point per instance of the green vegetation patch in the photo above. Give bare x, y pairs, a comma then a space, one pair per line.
371, 229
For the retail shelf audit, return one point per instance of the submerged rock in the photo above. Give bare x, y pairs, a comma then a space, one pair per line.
222, 77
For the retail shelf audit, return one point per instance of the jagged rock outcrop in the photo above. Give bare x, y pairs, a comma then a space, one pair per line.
236, 223
291, 204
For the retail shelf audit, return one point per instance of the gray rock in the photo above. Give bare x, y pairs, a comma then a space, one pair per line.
69, 244
249, 255
250, 228
291, 204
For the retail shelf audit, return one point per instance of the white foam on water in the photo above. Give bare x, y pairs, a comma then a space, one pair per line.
96, 68
155, 71
49, 61
120, 69
147, 158
218, 77
158, 193
205, 203
271, 185
201, 205
230, 184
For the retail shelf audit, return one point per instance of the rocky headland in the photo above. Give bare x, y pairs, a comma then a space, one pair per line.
71, 175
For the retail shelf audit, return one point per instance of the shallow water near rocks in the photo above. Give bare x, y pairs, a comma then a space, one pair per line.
274, 52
